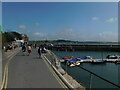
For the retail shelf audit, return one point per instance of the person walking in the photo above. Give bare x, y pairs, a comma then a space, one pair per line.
23, 50
29, 49
35, 45
39, 51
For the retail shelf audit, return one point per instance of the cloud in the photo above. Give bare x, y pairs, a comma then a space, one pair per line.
68, 34
86, 35
95, 18
29, 31
39, 34
37, 24
108, 36
22, 27
36, 35
111, 20
79, 35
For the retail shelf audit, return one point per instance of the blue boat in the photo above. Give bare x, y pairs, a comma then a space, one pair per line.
73, 62
98, 61
86, 57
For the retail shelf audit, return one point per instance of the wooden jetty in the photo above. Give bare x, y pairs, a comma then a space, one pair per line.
91, 60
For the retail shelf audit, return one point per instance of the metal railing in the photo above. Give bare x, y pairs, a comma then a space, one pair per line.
91, 74
56, 65
55, 59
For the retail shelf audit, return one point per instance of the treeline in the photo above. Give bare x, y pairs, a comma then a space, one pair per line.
68, 41
8, 37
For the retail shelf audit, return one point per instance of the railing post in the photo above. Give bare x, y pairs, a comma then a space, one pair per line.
66, 68
90, 81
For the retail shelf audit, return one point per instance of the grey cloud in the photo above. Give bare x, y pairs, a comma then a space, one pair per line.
95, 18
70, 34
22, 27
111, 20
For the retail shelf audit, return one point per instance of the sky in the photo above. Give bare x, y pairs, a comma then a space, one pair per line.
79, 21
0, 13
60, 0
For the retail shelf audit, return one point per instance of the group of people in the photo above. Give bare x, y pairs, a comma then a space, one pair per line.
9, 47
41, 50
26, 48
34, 45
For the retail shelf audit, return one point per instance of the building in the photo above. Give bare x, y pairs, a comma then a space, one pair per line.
25, 38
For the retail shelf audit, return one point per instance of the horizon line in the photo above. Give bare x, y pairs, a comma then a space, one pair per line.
59, 1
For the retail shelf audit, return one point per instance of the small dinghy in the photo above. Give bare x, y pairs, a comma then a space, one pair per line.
113, 57
77, 63
98, 61
86, 59
73, 62
68, 58
65, 59
117, 62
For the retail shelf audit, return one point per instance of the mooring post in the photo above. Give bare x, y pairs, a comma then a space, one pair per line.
90, 81
66, 68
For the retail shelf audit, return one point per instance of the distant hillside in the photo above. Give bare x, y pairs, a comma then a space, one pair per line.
70, 41
63, 41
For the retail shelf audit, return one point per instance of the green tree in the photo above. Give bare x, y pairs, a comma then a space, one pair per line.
10, 36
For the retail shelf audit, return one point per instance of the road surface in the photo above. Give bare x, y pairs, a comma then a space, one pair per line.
30, 72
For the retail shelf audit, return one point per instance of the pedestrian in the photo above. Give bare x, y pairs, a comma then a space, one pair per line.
23, 50
44, 50
39, 51
35, 45
51, 46
29, 49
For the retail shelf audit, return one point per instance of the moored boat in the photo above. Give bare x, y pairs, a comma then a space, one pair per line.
73, 62
65, 59
111, 60
86, 59
117, 62
113, 57
68, 58
98, 61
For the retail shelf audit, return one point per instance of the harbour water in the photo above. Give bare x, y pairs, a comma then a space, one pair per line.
109, 71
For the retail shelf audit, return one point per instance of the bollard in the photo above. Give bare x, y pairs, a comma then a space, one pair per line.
90, 81
66, 68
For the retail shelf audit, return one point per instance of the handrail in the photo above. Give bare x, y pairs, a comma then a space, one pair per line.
100, 77
91, 73
67, 84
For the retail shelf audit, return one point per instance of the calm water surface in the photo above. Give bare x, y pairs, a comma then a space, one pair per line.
109, 71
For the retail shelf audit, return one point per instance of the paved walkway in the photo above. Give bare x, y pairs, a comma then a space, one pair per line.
30, 72
0, 67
